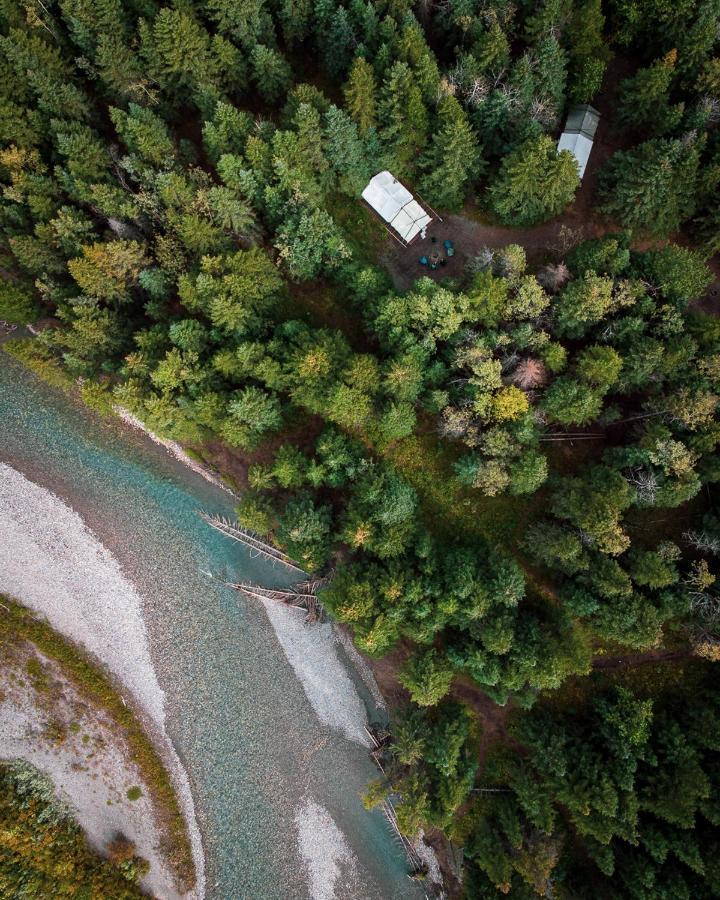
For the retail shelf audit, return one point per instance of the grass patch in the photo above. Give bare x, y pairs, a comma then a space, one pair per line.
133, 793
449, 508
38, 360
363, 231
18, 624
318, 304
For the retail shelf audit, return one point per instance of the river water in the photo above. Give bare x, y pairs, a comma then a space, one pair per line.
272, 749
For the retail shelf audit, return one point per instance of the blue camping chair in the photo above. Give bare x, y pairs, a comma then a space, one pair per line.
423, 260
449, 249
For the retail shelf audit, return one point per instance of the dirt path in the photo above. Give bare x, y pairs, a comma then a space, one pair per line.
633, 660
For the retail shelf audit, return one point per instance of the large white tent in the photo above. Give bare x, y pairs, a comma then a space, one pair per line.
394, 203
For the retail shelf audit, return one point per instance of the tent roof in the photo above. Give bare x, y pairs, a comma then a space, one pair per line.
395, 204
583, 119
580, 147
410, 221
386, 195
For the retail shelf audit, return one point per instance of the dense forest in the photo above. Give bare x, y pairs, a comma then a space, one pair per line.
510, 470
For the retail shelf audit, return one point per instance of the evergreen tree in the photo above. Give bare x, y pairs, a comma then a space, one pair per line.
235, 291
17, 304
428, 677
123, 74
270, 72
109, 271
534, 183
360, 95
177, 49
251, 413
452, 160
304, 532
595, 503
248, 23
309, 242
295, 18
88, 19
403, 117
337, 43
678, 273
346, 151
571, 402
588, 52
40, 66
550, 76
412, 48
144, 133
652, 187
226, 131
644, 101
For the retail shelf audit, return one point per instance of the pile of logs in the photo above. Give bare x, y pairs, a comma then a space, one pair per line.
302, 595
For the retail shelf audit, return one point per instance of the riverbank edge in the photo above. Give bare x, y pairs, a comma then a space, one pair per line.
379, 676
93, 681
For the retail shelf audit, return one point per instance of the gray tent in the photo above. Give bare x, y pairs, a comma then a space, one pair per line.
580, 128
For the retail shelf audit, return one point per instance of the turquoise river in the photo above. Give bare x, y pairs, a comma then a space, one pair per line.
252, 744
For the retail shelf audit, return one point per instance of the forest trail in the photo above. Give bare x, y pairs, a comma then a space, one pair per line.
632, 660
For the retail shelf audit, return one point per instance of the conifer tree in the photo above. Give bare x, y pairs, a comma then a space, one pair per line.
403, 117
360, 95
337, 43
644, 102
123, 74
428, 677
17, 303
39, 65
550, 75
452, 161
270, 72
144, 133
177, 48
588, 53
345, 150
295, 18
534, 183
248, 23
412, 48
651, 187
87, 20
226, 131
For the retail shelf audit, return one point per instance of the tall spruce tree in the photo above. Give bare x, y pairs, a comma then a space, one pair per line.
360, 95
651, 187
534, 183
452, 162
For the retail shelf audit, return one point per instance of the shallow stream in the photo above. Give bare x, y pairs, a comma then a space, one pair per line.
268, 723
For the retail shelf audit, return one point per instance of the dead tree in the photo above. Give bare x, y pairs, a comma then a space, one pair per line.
256, 545
302, 595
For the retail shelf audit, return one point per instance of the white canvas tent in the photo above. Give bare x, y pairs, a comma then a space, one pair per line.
394, 203
579, 134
